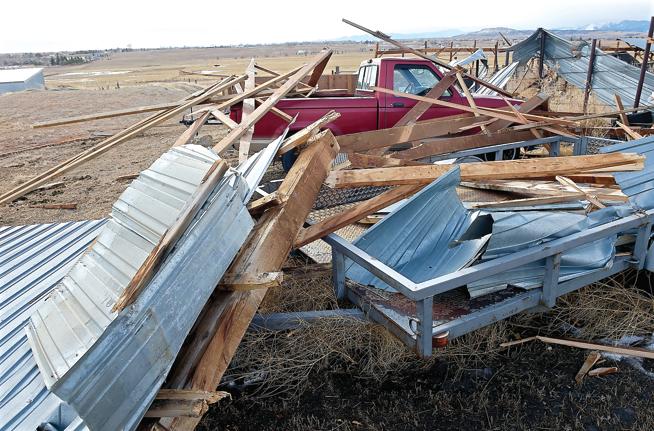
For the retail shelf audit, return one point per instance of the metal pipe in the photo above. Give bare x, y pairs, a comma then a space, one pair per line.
643, 67
589, 74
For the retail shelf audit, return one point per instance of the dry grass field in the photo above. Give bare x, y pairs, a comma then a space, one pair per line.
338, 375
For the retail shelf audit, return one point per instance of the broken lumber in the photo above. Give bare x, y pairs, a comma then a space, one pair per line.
358, 160
210, 346
71, 206
248, 108
590, 361
303, 136
279, 93
264, 280
179, 402
354, 214
506, 169
382, 138
189, 133
270, 200
589, 197
386, 38
628, 130
544, 188
421, 107
435, 146
602, 371
627, 351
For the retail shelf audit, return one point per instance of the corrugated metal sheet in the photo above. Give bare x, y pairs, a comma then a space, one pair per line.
110, 366
516, 231
79, 309
636, 42
499, 79
638, 185
418, 238
611, 76
33, 259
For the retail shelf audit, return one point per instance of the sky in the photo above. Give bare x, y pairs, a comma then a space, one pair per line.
64, 25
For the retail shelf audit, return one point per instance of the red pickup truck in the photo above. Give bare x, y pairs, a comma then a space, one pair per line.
367, 109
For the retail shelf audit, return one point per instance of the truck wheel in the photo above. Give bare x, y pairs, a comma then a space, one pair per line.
288, 159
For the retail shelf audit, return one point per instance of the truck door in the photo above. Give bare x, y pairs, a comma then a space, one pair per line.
415, 79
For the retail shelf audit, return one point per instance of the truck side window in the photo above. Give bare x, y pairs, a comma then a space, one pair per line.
367, 77
415, 79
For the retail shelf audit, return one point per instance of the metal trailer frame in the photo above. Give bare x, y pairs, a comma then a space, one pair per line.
538, 299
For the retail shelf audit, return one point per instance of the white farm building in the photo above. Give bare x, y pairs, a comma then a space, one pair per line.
21, 79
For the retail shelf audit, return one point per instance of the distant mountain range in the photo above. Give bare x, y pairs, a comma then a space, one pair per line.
627, 26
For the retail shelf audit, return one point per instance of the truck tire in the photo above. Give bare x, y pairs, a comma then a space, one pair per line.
288, 159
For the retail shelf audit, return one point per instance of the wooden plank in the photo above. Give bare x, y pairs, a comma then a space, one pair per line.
626, 351
490, 112
188, 403
620, 106
441, 63
190, 132
421, 107
70, 206
278, 112
629, 131
383, 138
531, 201
259, 112
319, 68
171, 236
591, 360
302, 137
270, 200
354, 214
602, 371
263, 280
543, 188
470, 99
588, 196
211, 345
432, 147
111, 142
369, 161
507, 169
223, 118
248, 108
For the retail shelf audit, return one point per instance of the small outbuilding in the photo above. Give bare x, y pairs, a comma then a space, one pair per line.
21, 79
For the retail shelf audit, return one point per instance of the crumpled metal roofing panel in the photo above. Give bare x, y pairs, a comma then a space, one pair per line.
110, 366
638, 185
611, 76
417, 238
79, 308
33, 259
499, 79
516, 231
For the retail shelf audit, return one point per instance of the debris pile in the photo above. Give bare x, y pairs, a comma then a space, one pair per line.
143, 320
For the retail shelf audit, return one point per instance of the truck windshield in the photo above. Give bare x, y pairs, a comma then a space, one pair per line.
415, 79
367, 77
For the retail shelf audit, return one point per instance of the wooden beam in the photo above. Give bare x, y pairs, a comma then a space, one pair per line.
354, 214
369, 161
421, 107
626, 351
512, 203
540, 188
278, 112
506, 169
437, 61
263, 280
629, 131
383, 138
190, 132
490, 112
259, 112
223, 118
302, 137
431, 147
319, 68
210, 346
470, 99
620, 106
179, 402
588, 196
248, 108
